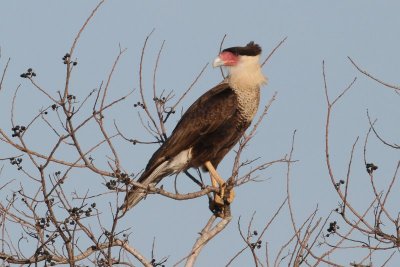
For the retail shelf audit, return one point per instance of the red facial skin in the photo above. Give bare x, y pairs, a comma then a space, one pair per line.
229, 59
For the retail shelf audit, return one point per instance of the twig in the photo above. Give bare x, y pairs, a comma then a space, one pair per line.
395, 146
273, 51
4, 74
189, 88
372, 77
220, 49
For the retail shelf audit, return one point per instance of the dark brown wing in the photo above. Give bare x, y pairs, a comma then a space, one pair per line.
204, 116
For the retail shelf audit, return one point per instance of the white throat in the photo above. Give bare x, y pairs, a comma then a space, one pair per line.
246, 74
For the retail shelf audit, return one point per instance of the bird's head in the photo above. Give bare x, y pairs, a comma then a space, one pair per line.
243, 63
233, 56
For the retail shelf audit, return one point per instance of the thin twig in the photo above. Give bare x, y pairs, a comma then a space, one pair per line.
372, 77
273, 51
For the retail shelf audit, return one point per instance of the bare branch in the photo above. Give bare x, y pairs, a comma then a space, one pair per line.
208, 233
273, 51
372, 77
4, 74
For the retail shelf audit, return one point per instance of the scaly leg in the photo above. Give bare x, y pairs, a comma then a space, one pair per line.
216, 178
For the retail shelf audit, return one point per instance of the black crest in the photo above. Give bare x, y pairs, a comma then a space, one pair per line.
251, 49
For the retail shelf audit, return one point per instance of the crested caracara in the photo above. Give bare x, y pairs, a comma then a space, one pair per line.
211, 126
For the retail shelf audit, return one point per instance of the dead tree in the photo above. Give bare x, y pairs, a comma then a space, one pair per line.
45, 219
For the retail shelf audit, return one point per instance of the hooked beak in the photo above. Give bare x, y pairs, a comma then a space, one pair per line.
218, 62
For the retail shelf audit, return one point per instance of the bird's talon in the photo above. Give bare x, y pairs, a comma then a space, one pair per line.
222, 190
230, 196
218, 200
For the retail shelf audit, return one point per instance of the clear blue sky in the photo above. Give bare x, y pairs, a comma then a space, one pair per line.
38, 33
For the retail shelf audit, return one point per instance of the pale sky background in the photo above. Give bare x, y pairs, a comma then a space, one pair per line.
38, 33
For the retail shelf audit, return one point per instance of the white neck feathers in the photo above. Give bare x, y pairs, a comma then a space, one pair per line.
246, 74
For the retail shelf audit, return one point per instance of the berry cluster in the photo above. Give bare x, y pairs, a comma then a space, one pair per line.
339, 183
339, 210
52, 240
332, 228
18, 130
16, 161
256, 244
47, 255
112, 184
60, 178
67, 60
160, 100
77, 212
71, 97
155, 263
120, 175
28, 74
54, 107
121, 178
43, 222
139, 104
371, 167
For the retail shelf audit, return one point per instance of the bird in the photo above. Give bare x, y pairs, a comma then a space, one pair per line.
211, 126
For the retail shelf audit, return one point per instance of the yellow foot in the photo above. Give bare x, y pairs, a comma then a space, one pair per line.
225, 196
220, 204
219, 197
229, 196
218, 201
